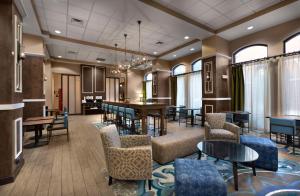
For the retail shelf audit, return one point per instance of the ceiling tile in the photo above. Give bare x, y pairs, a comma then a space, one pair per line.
78, 12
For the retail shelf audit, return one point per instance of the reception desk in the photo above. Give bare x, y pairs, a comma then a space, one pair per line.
144, 109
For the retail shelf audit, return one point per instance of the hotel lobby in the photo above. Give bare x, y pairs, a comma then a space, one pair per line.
150, 97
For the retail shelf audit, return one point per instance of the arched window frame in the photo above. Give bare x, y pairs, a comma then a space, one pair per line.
288, 39
245, 47
146, 78
194, 62
175, 67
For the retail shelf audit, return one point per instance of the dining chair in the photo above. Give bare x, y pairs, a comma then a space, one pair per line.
184, 114
199, 115
55, 127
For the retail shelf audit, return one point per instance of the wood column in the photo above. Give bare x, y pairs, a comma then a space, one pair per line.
33, 86
216, 95
11, 106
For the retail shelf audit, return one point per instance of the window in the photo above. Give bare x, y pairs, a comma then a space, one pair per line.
250, 53
197, 65
178, 69
292, 44
148, 79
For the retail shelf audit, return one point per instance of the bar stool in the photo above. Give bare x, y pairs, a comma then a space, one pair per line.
115, 110
131, 118
121, 120
156, 117
110, 110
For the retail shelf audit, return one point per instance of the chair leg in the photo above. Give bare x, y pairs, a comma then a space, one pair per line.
149, 184
68, 133
110, 180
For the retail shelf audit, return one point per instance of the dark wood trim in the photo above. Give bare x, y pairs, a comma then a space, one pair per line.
255, 15
62, 60
244, 47
177, 14
179, 47
288, 39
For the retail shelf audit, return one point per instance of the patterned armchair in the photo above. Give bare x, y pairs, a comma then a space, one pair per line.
216, 128
127, 157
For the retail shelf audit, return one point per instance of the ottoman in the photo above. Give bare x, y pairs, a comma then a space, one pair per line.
266, 149
195, 177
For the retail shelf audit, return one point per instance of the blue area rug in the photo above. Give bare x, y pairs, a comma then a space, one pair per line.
265, 183
287, 177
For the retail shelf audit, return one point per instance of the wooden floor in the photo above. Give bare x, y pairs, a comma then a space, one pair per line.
69, 168
64, 168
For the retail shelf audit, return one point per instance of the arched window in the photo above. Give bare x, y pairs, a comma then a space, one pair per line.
249, 53
148, 79
292, 44
197, 65
178, 69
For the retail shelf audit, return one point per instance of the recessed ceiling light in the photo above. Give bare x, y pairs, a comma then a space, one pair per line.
186, 37
59, 56
154, 52
57, 31
250, 27
192, 49
98, 61
174, 55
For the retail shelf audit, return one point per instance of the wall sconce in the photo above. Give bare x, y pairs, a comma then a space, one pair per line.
208, 76
225, 77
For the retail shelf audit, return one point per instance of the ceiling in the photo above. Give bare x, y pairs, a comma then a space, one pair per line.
105, 22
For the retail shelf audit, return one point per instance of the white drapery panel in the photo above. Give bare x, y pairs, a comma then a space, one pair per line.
195, 91
148, 89
181, 91
257, 92
289, 83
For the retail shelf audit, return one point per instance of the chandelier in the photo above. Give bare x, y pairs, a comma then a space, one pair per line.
136, 60
116, 68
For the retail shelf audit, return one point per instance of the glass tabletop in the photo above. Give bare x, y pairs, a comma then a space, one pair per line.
228, 151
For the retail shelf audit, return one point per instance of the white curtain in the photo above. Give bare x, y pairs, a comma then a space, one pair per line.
257, 93
195, 91
181, 91
148, 89
289, 84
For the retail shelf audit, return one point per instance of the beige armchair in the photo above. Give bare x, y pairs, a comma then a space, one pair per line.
127, 157
216, 128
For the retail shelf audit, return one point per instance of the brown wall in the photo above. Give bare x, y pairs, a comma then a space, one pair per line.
65, 68
33, 44
273, 37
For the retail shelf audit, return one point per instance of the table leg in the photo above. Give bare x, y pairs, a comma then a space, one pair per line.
192, 118
199, 154
40, 131
144, 122
36, 134
253, 168
162, 122
235, 176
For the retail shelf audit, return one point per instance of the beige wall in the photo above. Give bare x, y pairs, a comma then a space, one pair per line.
66, 68
273, 37
186, 60
33, 44
213, 45
135, 84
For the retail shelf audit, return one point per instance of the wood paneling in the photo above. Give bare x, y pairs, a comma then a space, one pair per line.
87, 78
99, 79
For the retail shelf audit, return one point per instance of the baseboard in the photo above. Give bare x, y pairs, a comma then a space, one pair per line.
10, 179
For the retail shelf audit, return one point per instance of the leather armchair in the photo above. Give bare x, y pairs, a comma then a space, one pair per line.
216, 128
127, 157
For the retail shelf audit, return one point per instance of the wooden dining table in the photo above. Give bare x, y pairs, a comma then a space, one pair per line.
144, 109
37, 123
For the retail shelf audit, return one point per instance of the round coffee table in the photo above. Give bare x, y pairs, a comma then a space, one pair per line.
229, 151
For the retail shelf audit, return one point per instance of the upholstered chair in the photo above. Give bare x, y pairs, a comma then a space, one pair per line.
127, 157
216, 128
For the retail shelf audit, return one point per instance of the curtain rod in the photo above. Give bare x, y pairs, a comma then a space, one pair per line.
186, 73
266, 58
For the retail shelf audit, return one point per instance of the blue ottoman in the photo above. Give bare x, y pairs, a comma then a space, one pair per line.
195, 177
266, 149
